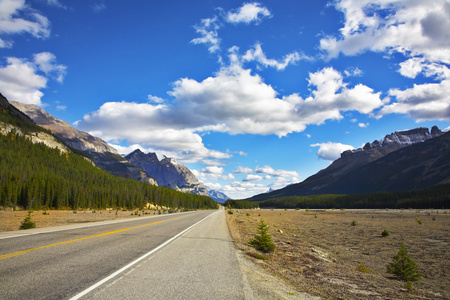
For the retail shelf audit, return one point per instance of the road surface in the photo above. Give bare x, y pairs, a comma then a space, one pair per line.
176, 256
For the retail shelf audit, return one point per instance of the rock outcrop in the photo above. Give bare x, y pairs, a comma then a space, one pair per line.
168, 173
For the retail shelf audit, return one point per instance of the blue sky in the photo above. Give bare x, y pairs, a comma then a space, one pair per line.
249, 95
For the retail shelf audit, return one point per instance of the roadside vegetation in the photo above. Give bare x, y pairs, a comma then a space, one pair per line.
382, 257
33, 176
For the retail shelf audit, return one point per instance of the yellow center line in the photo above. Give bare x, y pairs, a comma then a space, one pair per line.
84, 238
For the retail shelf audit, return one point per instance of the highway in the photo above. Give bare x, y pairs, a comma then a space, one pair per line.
176, 256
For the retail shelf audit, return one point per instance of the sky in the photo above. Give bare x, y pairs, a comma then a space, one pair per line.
250, 96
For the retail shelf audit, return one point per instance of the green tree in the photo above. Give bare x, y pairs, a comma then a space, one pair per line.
263, 240
403, 267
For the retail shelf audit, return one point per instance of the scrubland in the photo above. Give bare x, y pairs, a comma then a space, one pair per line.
342, 254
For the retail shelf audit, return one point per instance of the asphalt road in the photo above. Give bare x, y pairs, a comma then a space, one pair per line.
161, 257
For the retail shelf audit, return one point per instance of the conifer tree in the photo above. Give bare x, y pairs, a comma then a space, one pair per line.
403, 267
263, 240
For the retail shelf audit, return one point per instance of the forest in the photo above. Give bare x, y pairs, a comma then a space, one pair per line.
437, 197
33, 176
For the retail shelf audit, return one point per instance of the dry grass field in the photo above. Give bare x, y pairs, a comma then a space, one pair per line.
11, 220
318, 252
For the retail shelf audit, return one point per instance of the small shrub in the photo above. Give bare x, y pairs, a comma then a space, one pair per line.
403, 267
307, 209
434, 218
315, 216
385, 233
257, 256
27, 223
419, 221
230, 212
263, 240
353, 223
362, 268
247, 214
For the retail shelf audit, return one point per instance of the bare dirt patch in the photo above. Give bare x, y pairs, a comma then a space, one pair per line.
318, 252
11, 220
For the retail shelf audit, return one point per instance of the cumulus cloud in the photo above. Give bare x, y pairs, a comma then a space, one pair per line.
248, 13
234, 101
331, 151
252, 177
243, 189
270, 171
22, 80
243, 170
16, 18
422, 102
410, 27
46, 62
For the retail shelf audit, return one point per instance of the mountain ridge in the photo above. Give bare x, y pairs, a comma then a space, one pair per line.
102, 154
372, 169
167, 172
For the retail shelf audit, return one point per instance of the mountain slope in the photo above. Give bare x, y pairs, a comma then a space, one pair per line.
168, 172
103, 155
399, 165
34, 176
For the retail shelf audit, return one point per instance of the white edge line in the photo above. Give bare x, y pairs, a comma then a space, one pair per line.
93, 287
93, 224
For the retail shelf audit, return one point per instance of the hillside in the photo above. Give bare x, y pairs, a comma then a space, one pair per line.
33, 176
103, 155
409, 167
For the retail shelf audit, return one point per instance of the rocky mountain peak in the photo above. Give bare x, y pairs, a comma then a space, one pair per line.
168, 172
398, 139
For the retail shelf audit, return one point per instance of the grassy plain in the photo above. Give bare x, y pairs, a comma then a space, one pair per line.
11, 220
319, 252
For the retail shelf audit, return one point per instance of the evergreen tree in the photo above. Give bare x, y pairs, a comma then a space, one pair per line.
263, 240
403, 267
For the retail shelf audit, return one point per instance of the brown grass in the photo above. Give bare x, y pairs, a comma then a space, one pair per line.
319, 251
11, 220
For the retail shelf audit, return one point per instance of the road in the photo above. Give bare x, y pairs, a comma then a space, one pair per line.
176, 256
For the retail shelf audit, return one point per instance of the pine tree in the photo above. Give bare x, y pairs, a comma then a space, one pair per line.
263, 240
403, 266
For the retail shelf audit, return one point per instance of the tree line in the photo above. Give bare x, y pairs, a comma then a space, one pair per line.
34, 176
435, 197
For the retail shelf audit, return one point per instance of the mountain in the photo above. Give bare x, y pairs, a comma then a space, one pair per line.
34, 175
218, 196
401, 161
103, 155
13, 111
168, 173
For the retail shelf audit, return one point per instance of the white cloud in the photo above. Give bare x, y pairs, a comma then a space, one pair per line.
270, 171
155, 99
331, 151
243, 170
257, 54
281, 182
410, 27
46, 62
363, 125
252, 177
16, 18
430, 101
233, 101
208, 34
248, 13
418, 30
240, 189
